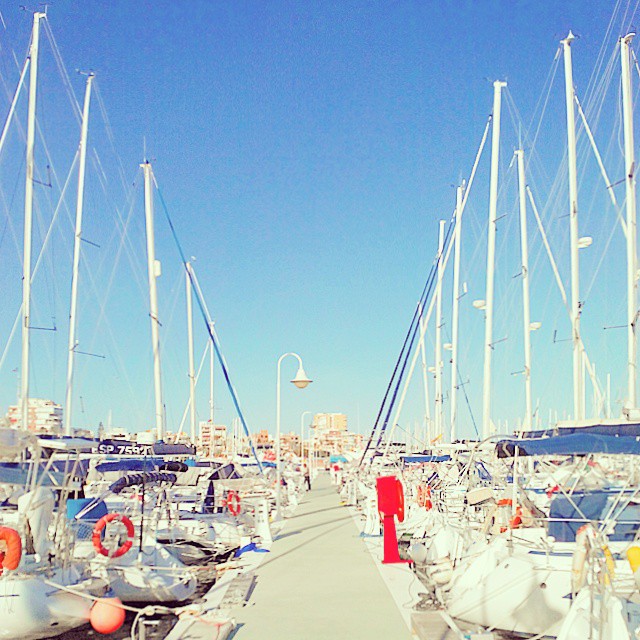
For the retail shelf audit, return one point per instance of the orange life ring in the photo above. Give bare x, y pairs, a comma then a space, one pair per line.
96, 538
400, 512
428, 505
233, 503
516, 521
11, 558
421, 496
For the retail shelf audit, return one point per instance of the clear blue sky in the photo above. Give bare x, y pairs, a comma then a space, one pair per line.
306, 151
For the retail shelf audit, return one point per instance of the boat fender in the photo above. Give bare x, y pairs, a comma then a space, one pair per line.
96, 537
107, 615
610, 565
233, 503
633, 556
10, 559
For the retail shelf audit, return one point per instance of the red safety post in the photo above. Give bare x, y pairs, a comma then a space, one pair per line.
390, 504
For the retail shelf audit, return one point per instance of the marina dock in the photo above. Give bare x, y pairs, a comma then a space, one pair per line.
319, 581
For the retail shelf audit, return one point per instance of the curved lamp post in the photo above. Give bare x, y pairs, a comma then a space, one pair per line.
300, 381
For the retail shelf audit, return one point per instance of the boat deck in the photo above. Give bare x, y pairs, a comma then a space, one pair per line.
319, 581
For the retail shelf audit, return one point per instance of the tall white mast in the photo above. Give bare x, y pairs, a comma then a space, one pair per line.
526, 314
28, 220
455, 312
76, 256
438, 352
578, 381
491, 258
192, 372
154, 270
212, 355
425, 377
630, 183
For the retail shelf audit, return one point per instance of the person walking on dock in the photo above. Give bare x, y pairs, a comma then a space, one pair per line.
307, 477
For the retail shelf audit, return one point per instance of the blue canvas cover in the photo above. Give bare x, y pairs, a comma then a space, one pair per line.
418, 459
568, 513
573, 444
130, 464
624, 429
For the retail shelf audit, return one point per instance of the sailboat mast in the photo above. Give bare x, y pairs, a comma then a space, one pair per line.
212, 355
630, 185
491, 257
28, 220
192, 373
578, 381
455, 312
526, 313
425, 376
76, 255
438, 349
154, 270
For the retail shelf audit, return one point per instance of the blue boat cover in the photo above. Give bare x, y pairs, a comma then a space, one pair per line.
624, 429
131, 464
80, 467
225, 472
568, 513
265, 463
141, 478
18, 473
417, 459
483, 472
574, 444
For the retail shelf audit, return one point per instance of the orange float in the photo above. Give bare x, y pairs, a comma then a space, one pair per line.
107, 615
10, 559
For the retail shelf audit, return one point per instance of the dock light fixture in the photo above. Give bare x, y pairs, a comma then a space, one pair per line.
300, 381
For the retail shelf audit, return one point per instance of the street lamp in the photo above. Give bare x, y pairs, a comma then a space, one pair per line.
300, 381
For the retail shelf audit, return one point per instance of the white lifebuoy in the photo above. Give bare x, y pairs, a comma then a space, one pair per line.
585, 538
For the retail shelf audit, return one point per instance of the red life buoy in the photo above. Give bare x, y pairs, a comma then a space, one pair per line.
516, 521
96, 538
233, 503
427, 499
551, 490
421, 495
11, 558
400, 512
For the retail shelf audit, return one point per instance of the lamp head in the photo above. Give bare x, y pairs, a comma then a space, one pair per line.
301, 380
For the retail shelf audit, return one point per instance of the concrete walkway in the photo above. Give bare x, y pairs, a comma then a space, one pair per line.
319, 581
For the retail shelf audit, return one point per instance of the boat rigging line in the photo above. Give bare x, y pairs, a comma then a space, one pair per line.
208, 323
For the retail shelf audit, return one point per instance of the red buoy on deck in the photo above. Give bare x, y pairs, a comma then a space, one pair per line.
107, 615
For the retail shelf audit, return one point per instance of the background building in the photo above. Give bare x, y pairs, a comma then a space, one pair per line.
331, 434
45, 416
213, 438
329, 422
